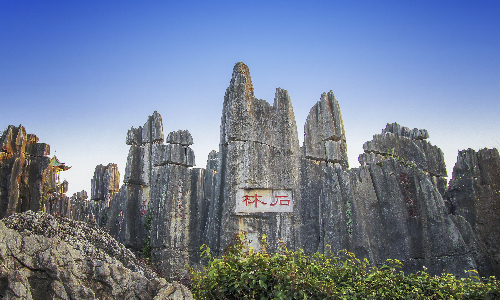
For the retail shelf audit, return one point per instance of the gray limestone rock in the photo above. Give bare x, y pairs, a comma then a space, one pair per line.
106, 182
258, 151
474, 194
44, 257
324, 136
182, 137
152, 210
152, 131
134, 136
401, 131
403, 146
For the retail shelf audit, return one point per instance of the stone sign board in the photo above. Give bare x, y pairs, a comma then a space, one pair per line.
264, 200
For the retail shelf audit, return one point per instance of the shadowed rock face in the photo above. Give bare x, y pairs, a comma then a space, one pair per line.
474, 194
152, 212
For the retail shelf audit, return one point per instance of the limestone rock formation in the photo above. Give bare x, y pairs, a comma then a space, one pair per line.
258, 153
151, 213
105, 183
28, 177
395, 205
408, 147
46, 257
324, 136
474, 194
390, 207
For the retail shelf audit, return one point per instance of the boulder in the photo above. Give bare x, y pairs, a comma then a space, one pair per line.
44, 257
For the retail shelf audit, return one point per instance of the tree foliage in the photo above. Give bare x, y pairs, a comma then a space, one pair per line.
243, 273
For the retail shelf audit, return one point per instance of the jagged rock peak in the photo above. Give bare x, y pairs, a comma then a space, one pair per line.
324, 135
407, 146
213, 160
134, 136
182, 137
106, 182
241, 71
246, 118
151, 132
414, 134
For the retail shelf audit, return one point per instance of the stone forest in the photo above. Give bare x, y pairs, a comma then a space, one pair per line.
397, 204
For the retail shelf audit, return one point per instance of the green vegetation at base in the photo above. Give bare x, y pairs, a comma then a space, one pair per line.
146, 250
242, 273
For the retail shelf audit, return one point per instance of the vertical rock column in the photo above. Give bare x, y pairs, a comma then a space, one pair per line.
127, 213
474, 194
324, 182
258, 168
324, 135
104, 184
23, 165
173, 206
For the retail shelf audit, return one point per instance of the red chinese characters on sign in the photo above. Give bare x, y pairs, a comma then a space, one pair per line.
247, 199
283, 200
264, 200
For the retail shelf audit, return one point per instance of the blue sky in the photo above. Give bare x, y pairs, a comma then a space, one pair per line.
79, 75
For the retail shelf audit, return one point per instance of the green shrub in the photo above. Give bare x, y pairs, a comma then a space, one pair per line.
242, 273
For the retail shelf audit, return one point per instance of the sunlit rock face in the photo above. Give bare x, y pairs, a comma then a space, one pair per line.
258, 151
390, 207
28, 178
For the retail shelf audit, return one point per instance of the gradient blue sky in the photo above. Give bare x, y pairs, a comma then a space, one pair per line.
80, 74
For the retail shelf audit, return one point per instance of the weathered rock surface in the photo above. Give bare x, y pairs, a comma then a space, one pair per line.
258, 149
152, 210
28, 180
390, 207
105, 183
395, 205
46, 257
324, 136
474, 194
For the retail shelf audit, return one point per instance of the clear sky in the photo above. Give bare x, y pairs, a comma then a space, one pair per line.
80, 74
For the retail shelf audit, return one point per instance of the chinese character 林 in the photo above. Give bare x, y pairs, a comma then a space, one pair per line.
252, 199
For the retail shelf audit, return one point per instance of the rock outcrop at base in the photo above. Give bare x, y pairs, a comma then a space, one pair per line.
46, 257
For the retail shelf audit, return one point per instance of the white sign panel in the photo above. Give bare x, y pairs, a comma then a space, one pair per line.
260, 200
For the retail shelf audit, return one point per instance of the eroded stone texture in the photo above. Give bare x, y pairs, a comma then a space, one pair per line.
44, 257
28, 181
182, 137
474, 194
409, 147
324, 136
258, 150
152, 210
105, 183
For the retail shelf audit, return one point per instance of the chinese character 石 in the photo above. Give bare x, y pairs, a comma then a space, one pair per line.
252, 199
282, 200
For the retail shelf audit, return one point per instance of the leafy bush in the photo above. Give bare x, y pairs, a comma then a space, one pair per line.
242, 273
